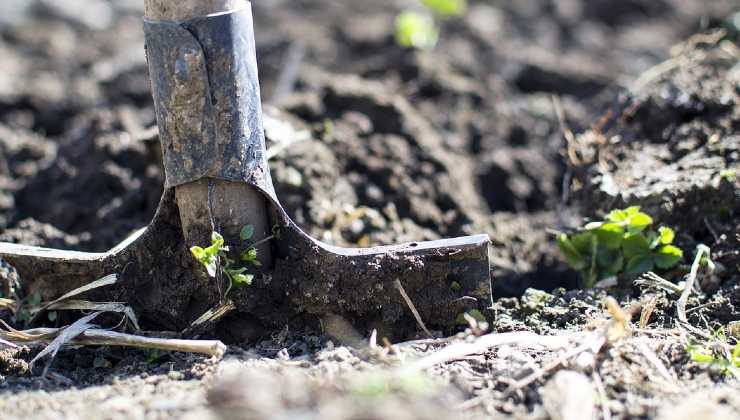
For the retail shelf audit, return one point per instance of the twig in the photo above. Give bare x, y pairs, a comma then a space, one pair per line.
570, 139
262, 241
594, 343
652, 279
411, 306
647, 311
108, 280
701, 249
7, 304
7, 343
98, 337
484, 343
64, 336
653, 73
209, 318
711, 230
427, 342
214, 348
83, 305
696, 308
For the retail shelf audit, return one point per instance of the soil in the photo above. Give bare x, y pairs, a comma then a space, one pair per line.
377, 144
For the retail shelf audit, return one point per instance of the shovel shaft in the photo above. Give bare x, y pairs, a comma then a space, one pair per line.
180, 10
197, 123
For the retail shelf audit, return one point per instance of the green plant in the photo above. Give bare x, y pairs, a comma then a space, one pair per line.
717, 352
421, 30
729, 174
446, 8
623, 243
24, 315
215, 258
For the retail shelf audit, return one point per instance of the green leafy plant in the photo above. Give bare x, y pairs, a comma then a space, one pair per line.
446, 8
716, 352
416, 30
24, 315
421, 30
623, 243
215, 258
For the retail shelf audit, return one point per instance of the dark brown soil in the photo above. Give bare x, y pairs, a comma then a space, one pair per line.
377, 144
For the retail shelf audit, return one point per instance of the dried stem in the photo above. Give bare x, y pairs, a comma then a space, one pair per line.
701, 250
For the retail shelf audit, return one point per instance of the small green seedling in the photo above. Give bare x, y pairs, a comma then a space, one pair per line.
24, 315
717, 355
215, 259
152, 355
446, 8
416, 30
621, 244
729, 174
421, 30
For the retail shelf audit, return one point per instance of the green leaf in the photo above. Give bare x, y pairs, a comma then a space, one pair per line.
217, 239
610, 235
572, 257
235, 271
611, 262
211, 267
666, 235
638, 222
198, 252
249, 255
582, 242
622, 215
244, 279
446, 8
668, 256
636, 245
415, 30
52, 315
700, 355
632, 210
213, 250
593, 225
246, 233
639, 264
